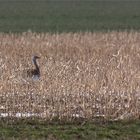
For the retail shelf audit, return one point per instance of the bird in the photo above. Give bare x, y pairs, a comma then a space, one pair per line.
34, 73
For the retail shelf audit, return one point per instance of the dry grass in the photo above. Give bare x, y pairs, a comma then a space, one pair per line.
83, 76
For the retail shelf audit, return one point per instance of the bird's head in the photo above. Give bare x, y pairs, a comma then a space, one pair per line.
35, 57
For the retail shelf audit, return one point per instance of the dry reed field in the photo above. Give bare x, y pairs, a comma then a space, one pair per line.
84, 76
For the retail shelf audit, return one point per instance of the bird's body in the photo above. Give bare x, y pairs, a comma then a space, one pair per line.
34, 73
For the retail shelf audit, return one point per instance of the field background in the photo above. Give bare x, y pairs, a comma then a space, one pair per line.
90, 71
69, 15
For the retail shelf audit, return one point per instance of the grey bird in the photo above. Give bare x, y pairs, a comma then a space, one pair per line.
34, 73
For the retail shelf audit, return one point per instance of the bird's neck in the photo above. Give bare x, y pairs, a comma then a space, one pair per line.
36, 65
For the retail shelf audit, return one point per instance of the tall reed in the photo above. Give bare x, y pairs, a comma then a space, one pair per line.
84, 76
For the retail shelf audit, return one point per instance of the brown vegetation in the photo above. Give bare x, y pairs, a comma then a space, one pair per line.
83, 75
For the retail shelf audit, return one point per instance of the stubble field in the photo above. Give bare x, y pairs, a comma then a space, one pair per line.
84, 76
